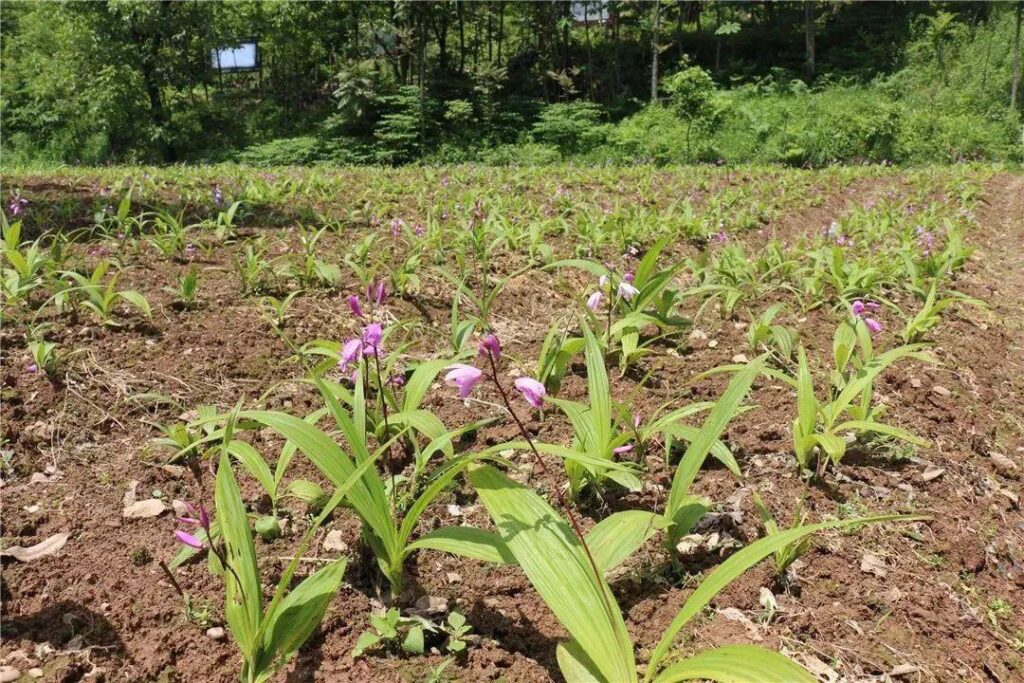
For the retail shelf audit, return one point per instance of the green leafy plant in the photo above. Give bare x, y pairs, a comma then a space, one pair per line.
391, 630
187, 289
820, 425
931, 311
786, 556
101, 298
763, 334
268, 637
275, 310
599, 647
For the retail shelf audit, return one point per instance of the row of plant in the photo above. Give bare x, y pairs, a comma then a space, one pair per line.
382, 454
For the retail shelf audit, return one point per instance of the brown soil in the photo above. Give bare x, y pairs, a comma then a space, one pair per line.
101, 609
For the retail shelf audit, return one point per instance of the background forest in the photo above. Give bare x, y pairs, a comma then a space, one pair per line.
509, 82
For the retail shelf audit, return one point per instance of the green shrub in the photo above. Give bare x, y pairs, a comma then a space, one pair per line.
572, 127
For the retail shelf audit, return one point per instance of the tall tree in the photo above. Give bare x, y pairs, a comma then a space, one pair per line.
655, 50
1015, 85
809, 12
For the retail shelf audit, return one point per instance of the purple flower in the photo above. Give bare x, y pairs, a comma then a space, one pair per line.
191, 251
218, 196
372, 335
377, 292
627, 291
925, 240
202, 522
396, 226
623, 449
628, 277
188, 539
594, 302
397, 380
490, 345
637, 421
351, 352
419, 230
17, 205
720, 237
32, 369
532, 390
861, 309
353, 304
464, 377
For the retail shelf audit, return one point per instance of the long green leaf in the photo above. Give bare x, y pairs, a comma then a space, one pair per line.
714, 424
619, 535
737, 664
244, 598
735, 565
555, 562
466, 541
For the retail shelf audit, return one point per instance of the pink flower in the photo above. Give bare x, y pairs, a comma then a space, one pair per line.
202, 522
623, 449
594, 302
419, 230
350, 353
637, 421
602, 281
720, 237
627, 291
372, 335
861, 310
396, 226
188, 539
490, 345
32, 369
353, 304
628, 277
464, 377
377, 293
532, 390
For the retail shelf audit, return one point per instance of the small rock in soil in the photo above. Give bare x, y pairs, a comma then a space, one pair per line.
35, 672
9, 673
432, 604
333, 542
688, 544
215, 633
872, 564
941, 391
739, 358
1004, 466
932, 472
151, 507
904, 670
713, 344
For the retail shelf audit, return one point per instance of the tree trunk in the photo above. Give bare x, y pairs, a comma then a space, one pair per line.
1015, 85
654, 50
501, 28
809, 39
462, 35
718, 38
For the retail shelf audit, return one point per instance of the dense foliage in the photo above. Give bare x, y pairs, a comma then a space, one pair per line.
443, 81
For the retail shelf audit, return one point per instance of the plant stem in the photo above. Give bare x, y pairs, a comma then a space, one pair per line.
387, 427
558, 491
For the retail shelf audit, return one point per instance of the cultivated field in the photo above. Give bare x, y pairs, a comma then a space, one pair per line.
714, 356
